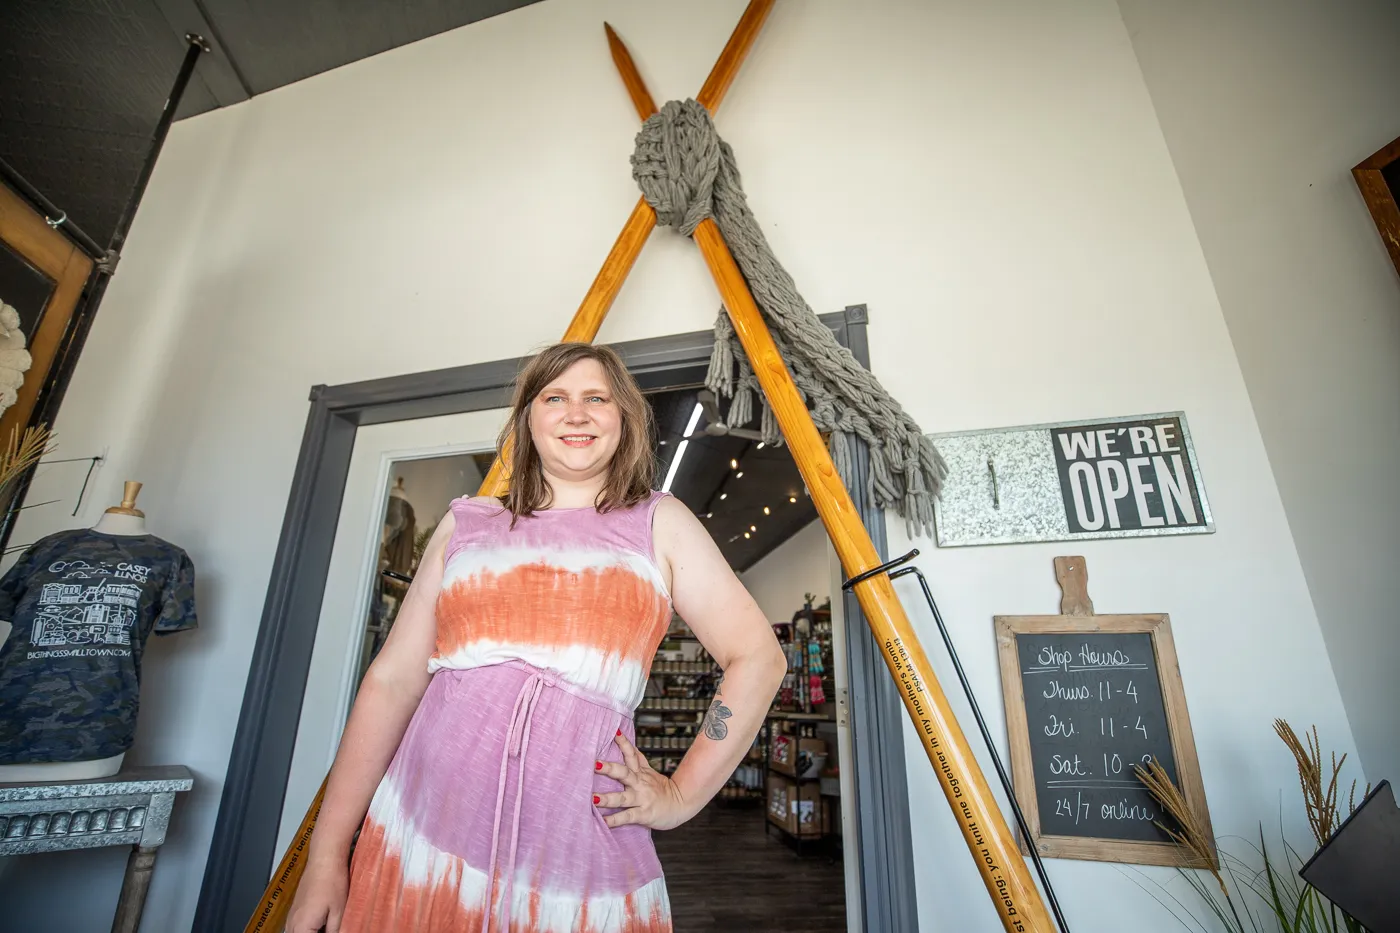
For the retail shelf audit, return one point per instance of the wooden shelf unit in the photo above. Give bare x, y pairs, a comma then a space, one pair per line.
795, 712
679, 693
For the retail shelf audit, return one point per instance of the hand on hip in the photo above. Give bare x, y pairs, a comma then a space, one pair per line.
648, 798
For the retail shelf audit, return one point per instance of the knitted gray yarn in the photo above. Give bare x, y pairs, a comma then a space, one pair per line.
687, 173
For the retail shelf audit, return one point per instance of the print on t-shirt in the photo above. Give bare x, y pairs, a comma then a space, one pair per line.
82, 605
73, 614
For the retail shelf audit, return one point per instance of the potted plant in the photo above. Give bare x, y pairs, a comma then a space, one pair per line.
1244, 898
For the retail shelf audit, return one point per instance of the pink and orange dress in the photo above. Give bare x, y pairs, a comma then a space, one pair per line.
484, 822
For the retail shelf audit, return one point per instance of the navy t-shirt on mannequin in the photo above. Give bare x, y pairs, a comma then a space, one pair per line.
82, 604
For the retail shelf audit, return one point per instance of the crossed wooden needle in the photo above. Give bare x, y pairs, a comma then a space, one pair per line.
642, 221
992, 844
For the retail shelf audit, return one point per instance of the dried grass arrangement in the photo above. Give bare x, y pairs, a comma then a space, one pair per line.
21, 453
17, 457
1246, 898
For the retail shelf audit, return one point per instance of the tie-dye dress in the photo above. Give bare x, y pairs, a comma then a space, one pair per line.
545, 635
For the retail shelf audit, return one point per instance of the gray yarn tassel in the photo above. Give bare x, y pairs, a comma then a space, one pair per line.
687, 173
720, 376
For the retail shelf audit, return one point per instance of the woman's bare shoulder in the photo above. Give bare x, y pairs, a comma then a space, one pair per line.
676, 529
673, 513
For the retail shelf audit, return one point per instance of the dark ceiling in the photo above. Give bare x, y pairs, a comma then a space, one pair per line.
83, 82
731, 505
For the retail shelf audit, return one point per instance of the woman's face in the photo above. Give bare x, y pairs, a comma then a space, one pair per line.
575, 423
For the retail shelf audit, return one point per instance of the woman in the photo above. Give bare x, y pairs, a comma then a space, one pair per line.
501, 704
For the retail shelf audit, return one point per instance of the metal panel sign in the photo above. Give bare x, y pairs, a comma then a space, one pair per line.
1110, 478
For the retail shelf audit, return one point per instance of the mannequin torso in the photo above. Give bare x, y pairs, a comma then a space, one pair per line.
124, 519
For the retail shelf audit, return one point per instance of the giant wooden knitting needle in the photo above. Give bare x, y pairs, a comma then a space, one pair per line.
271, 912
989, 838
642, 220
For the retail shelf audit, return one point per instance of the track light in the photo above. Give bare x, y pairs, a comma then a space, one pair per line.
792, 498
739, 475
753, 528
725, 495
733, 464
747, 535
760, 445
680, 449
767, 510
709, 514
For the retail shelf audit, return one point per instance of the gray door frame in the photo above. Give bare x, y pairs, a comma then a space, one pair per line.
243, 850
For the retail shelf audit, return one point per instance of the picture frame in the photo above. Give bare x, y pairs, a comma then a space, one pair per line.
1378, 177
29, 238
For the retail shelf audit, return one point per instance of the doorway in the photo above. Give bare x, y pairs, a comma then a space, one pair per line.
249, 833
774, 839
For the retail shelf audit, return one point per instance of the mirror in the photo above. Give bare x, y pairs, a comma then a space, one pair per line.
416, 499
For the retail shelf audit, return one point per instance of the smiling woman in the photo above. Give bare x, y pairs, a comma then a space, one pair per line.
489, 760
578, 417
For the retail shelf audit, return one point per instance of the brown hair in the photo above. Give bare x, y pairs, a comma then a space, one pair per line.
633, 466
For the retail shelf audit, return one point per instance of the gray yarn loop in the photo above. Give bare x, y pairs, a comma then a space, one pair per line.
687, 173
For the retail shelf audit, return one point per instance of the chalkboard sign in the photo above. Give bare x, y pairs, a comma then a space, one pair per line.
1089, 698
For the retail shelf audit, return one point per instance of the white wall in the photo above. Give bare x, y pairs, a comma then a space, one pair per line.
1266, 106
798, 566
989, 178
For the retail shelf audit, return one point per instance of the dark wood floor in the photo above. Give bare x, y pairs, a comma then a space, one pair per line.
724, 874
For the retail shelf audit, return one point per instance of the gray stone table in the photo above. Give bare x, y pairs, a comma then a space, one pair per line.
131, 808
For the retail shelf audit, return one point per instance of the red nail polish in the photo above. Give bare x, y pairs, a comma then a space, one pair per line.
619, 732
597, 766
597, 799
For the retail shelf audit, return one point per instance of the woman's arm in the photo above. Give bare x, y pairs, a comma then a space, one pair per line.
707, 594
387, 698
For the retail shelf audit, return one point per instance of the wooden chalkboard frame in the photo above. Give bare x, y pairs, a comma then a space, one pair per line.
1077, 617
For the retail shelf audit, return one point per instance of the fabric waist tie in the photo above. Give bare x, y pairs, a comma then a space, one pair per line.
517, 744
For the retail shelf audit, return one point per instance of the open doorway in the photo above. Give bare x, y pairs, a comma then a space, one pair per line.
770, 849
767, 853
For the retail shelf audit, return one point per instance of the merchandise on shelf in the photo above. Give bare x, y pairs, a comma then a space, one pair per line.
679, 691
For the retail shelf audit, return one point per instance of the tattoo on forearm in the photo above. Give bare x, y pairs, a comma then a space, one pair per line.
715, 726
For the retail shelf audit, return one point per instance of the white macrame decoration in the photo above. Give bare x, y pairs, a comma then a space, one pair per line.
14, 358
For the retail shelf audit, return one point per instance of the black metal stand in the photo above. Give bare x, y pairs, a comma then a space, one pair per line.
71, 345
889, 568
